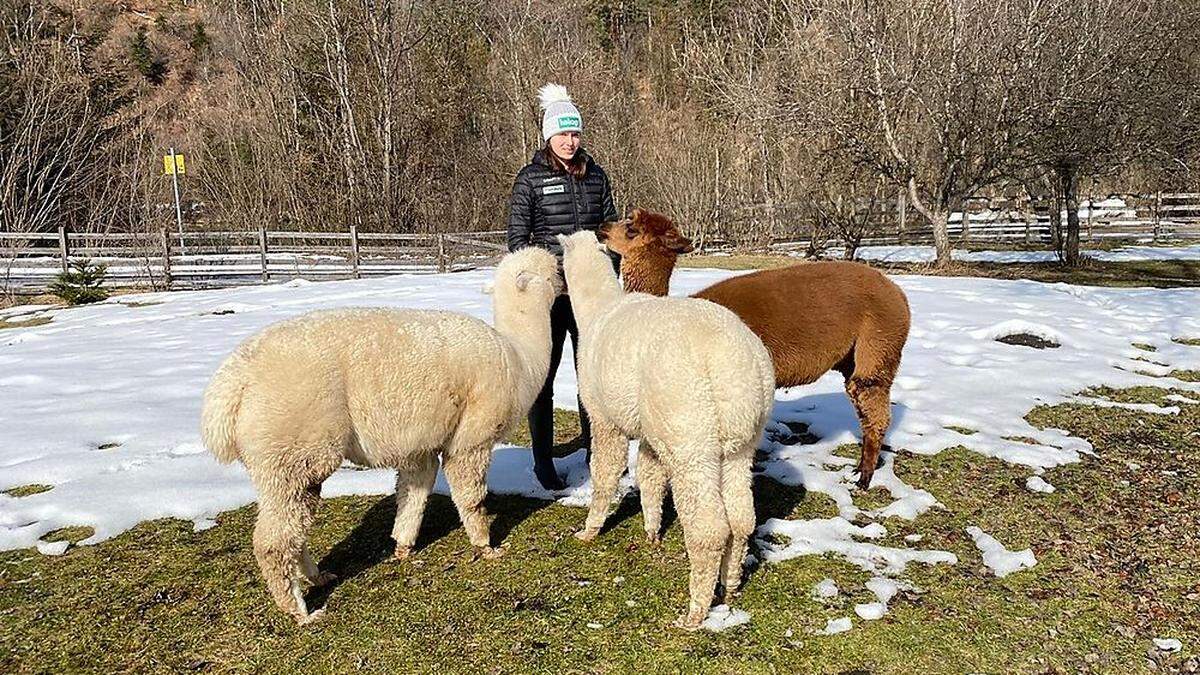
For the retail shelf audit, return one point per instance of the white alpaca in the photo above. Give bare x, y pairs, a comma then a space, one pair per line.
696, 385
382, 388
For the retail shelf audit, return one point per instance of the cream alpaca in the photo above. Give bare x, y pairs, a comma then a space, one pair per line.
688, 378
378, 387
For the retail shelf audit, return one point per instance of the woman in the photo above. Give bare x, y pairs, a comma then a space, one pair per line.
562, 190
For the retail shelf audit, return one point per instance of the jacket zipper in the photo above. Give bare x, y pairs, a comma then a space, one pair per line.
574, 203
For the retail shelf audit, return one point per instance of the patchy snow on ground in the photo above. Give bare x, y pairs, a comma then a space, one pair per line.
1038, 484
1169, 645
723, 617
835, 626
825, 589
996, 557
102, 403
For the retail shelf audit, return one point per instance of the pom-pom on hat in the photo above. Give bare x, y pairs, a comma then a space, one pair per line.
560, 113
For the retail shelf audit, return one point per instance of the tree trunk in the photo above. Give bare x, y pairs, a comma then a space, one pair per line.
937, 217
941, 237
1055, 207
1068, 177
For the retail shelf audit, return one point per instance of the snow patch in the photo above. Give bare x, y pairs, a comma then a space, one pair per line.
1037, 484
1000, 560
839, 536
53, 547
825, 588
1169, 645
723, 617
835, 626
870, 611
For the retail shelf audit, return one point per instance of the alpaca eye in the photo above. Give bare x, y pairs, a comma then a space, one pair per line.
630, 233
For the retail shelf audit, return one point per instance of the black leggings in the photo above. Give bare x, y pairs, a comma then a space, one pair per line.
541, 415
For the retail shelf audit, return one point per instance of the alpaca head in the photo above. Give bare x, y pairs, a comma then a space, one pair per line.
645, 231
526, 283
588, 269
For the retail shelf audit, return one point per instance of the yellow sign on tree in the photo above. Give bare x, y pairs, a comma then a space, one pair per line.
175, 167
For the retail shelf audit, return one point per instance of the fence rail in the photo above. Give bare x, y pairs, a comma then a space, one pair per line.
1159, 217
204, 259
219, 257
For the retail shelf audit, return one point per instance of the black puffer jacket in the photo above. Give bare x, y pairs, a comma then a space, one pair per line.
547, 202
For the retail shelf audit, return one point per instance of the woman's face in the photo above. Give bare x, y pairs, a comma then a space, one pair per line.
565, 145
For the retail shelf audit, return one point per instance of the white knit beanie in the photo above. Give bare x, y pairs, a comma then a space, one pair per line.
560, 113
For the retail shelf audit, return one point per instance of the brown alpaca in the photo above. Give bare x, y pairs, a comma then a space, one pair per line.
811, 317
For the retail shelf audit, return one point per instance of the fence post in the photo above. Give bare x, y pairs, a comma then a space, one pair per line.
262, 251
1030, 215
901, 216
354, 250
1157, 214
165, 240
1089, 218
965, 224
441, 252
64, 248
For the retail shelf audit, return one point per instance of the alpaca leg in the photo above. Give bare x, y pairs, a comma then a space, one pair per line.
313, 573
610, 455
279, 542
466, 472
652, 484
413, 484
872, 401
697, 490
736, 492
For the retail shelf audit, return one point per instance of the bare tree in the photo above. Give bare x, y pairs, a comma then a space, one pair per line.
1097, 75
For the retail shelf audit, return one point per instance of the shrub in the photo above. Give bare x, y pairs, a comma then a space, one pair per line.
81, 284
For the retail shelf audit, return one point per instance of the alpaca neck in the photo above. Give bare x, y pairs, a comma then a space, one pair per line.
528, 333
648, 271
587, 303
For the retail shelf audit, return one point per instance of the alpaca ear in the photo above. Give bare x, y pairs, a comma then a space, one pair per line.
523, 280
563, 241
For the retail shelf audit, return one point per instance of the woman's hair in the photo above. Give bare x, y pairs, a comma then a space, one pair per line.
577, 167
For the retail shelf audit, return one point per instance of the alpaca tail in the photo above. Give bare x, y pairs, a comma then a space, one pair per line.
218, 420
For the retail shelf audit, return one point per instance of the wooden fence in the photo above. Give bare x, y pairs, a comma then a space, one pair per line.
1161, 217
201, 259
205, 259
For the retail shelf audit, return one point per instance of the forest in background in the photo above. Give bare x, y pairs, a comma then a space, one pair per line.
742, 120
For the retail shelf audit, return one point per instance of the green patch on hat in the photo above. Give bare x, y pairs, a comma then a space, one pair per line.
569, 122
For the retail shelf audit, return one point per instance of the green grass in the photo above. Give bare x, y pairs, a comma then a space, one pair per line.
71, 534
28, 490
24, 323
1118, 552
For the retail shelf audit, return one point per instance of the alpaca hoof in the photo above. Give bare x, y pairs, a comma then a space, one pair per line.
587, 534
689, 621
324, 578
654, 538
490, 553
311, 618
402, 553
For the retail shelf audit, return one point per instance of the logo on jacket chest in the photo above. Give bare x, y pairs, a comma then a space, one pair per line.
554, 189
